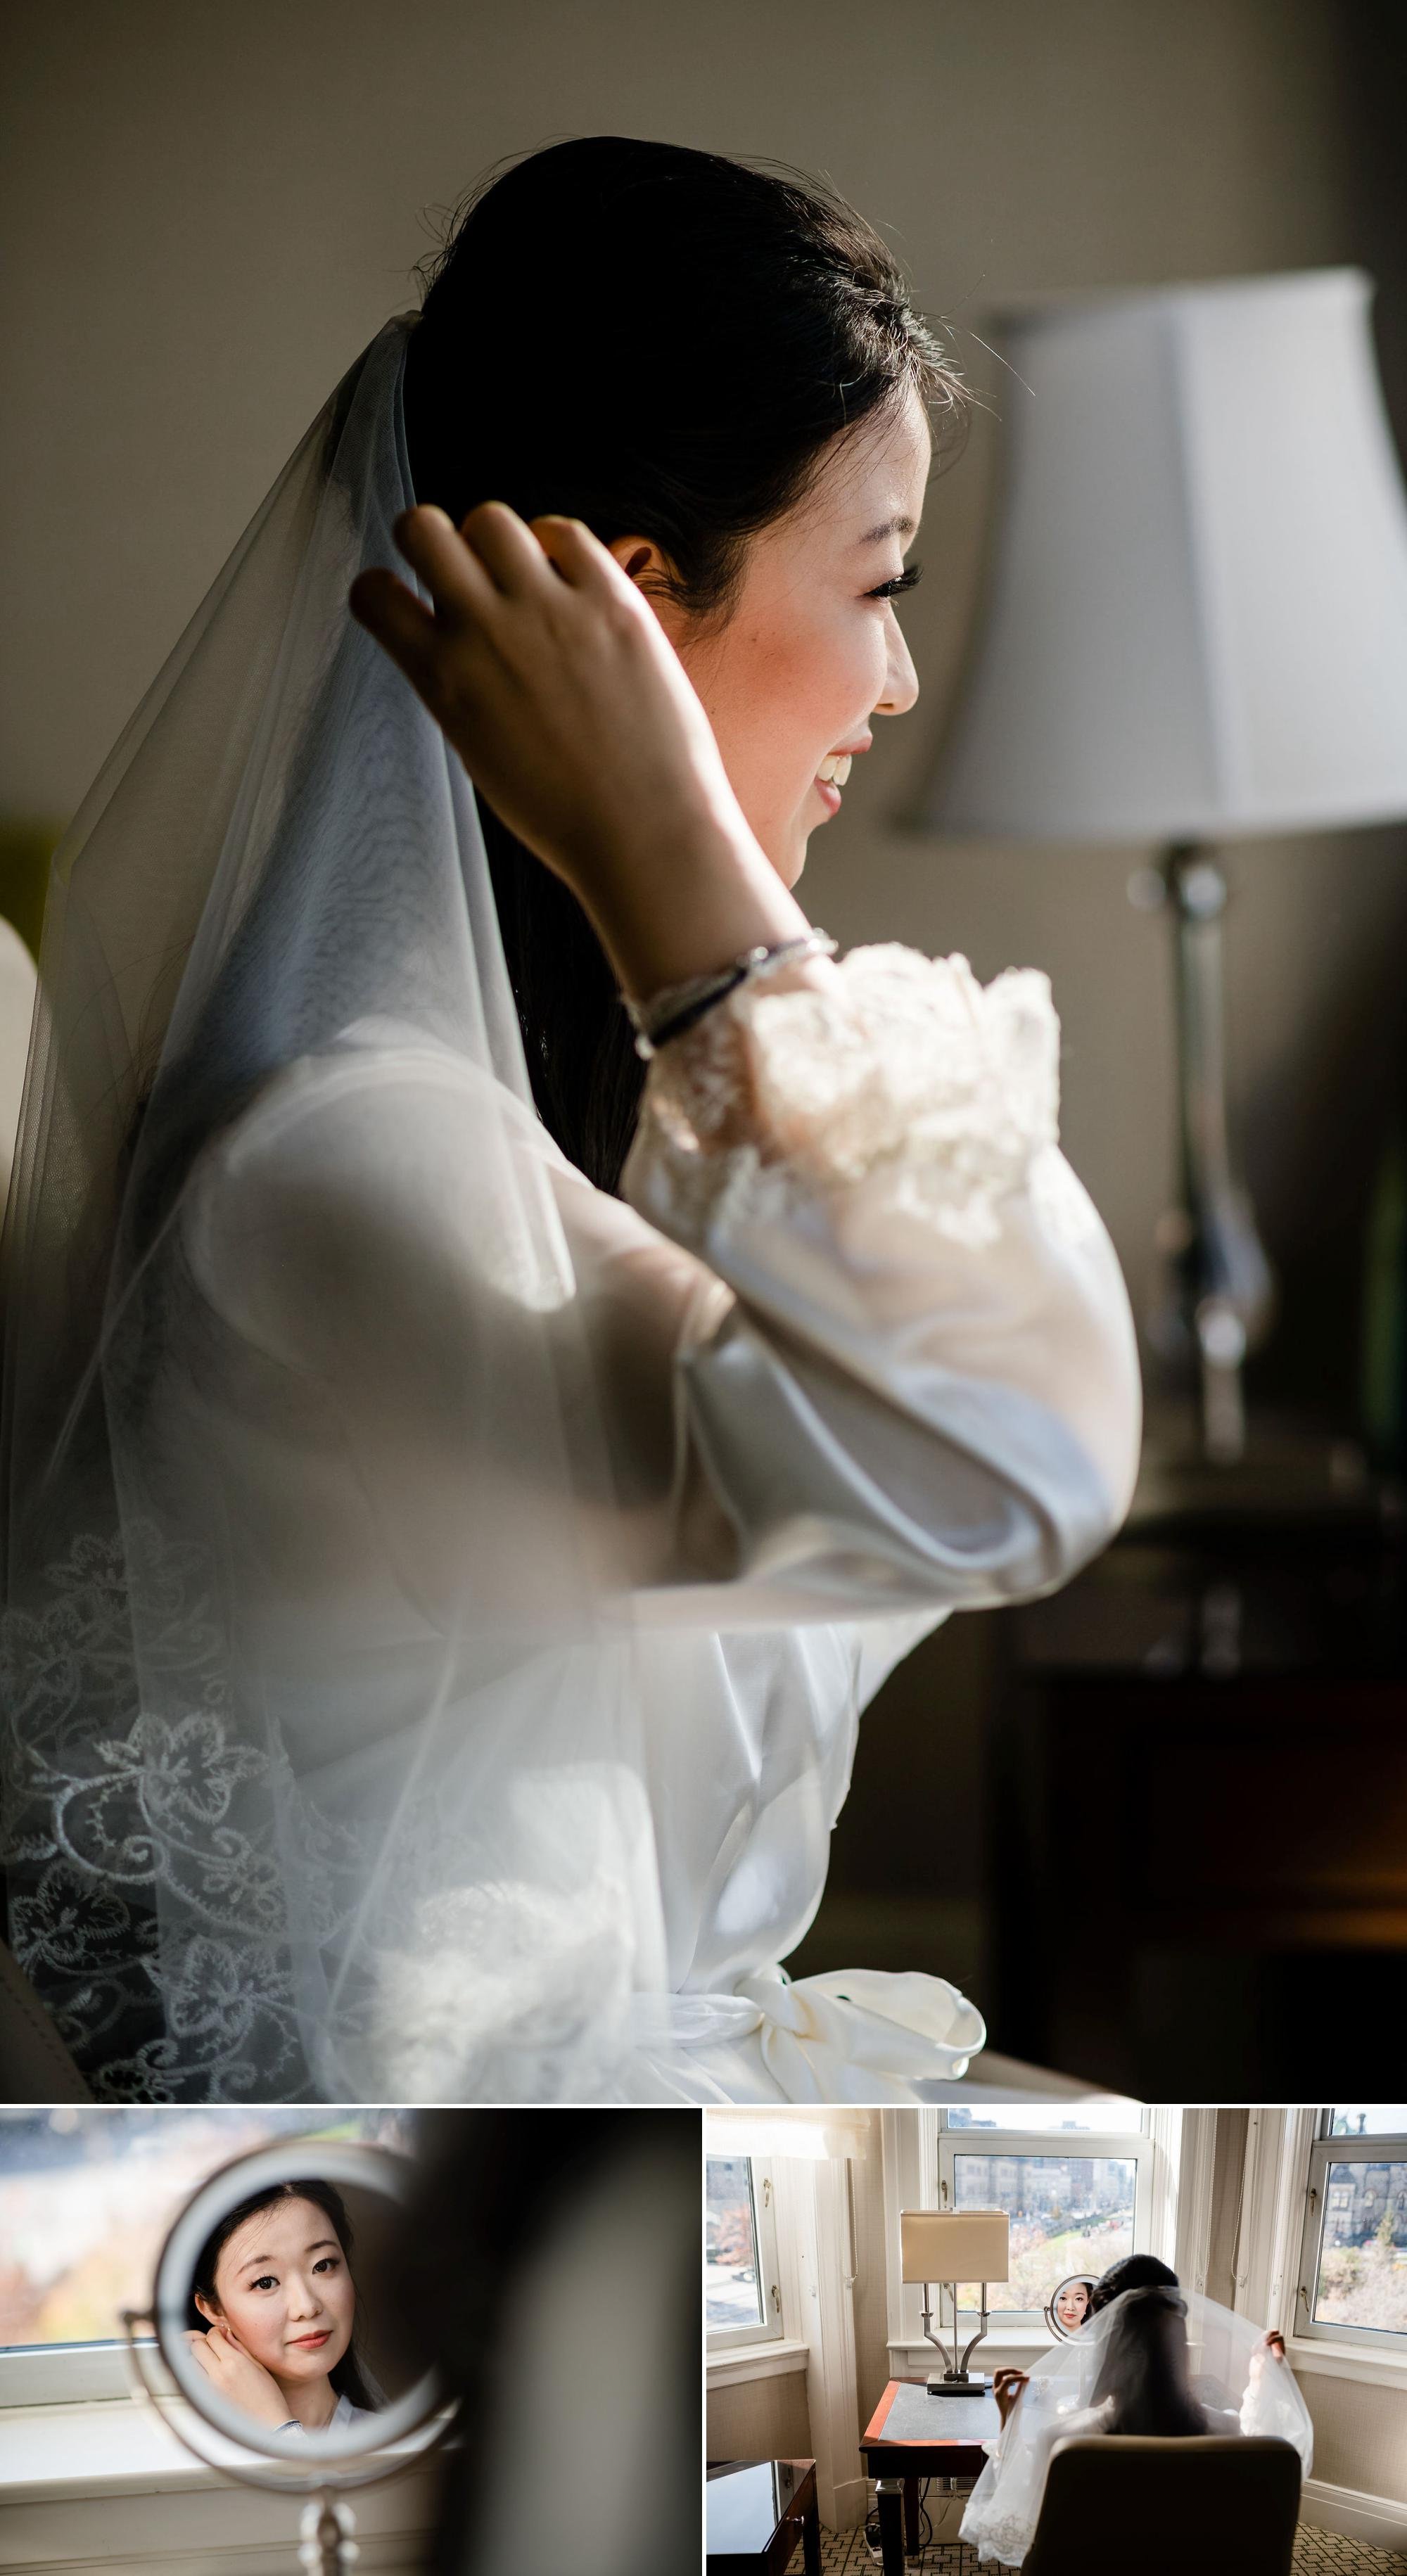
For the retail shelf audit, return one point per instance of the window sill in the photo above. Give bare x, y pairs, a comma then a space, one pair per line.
1308, 2356
756, 2361
103, 2488
96, 2448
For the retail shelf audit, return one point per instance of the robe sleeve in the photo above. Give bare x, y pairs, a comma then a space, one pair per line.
924, 1386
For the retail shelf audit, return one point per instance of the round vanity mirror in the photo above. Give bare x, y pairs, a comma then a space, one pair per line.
1068, 2304
277, 2313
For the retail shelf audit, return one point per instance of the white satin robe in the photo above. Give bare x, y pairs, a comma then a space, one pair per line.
870, 1364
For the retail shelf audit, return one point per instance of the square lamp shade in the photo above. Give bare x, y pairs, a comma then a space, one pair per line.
954, 2244
1196, 625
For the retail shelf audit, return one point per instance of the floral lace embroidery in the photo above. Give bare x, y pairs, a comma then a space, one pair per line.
898, 1063
145, 1889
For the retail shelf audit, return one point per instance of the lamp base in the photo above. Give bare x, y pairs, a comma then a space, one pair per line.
1218, 1294
939, 2385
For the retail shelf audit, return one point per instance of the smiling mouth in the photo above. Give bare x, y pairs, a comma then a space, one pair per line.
308, 2343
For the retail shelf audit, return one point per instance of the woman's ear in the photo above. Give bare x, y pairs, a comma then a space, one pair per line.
210, 2312
654, 576
644, 562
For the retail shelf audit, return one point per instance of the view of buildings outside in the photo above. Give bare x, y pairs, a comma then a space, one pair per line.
732, 2296
1363, 2249
1068, 2213
87, 2197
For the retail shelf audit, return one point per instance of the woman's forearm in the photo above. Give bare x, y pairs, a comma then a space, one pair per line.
690, 904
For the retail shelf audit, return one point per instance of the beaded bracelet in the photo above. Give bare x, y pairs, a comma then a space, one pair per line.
678, 1007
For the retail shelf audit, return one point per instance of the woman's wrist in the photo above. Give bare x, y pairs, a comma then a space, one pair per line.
686, 907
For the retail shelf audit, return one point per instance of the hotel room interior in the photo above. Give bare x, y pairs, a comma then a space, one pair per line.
1295, 2218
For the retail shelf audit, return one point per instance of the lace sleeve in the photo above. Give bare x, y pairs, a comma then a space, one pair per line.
929, 1370
896, 1061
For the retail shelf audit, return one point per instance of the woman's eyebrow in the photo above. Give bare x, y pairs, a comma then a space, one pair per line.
896, 527
252, 2260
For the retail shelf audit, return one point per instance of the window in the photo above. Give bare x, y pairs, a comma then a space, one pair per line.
1353, 2260
86, 2198
742, 2301
1075, 2180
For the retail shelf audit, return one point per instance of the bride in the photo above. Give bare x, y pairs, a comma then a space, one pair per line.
508, 1338
1150, 2359
273, 2311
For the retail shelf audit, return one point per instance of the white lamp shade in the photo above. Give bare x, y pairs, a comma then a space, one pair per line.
1197, 623
954, 2244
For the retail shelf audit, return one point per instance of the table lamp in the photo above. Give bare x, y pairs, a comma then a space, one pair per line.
947, 2246
1197, 629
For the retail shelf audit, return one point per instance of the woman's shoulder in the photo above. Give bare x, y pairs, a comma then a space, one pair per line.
393, 1167
365, 1082
372, 1171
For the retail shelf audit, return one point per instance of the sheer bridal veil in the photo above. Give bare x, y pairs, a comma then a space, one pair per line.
1236, 2384
258, 1841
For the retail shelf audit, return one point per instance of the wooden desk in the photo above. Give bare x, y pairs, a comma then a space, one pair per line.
754, 2510
912, 2436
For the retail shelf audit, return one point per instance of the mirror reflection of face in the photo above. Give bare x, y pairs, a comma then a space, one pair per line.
283, 2289
1072, 2304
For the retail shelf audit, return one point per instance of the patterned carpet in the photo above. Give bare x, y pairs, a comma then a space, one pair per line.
1317, 2553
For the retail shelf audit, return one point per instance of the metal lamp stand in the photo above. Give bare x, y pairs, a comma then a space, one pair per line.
1221, 1292
955, 2381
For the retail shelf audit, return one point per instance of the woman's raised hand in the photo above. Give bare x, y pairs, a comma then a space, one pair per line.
1006, 2388
238, 2376
556, 684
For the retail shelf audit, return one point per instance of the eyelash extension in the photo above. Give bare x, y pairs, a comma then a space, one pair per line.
902, 581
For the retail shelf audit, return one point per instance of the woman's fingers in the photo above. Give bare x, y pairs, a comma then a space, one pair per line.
459, 583
502, 544
578, 555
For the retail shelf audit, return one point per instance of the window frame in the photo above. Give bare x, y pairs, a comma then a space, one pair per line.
1388, 2147
722, 2340
1137, 2147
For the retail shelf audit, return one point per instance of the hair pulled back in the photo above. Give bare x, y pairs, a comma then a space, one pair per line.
662, 343
1134, 2272
346, 2377
1144, 2366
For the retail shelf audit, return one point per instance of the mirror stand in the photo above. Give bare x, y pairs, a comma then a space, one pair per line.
327, 2546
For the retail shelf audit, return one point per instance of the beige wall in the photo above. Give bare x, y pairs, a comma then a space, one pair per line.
760, 2419
1360, 2435
206, 212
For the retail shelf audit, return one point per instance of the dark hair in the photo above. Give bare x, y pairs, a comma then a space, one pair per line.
1135, 2272
1144, 2369
346, 2376
661, 343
